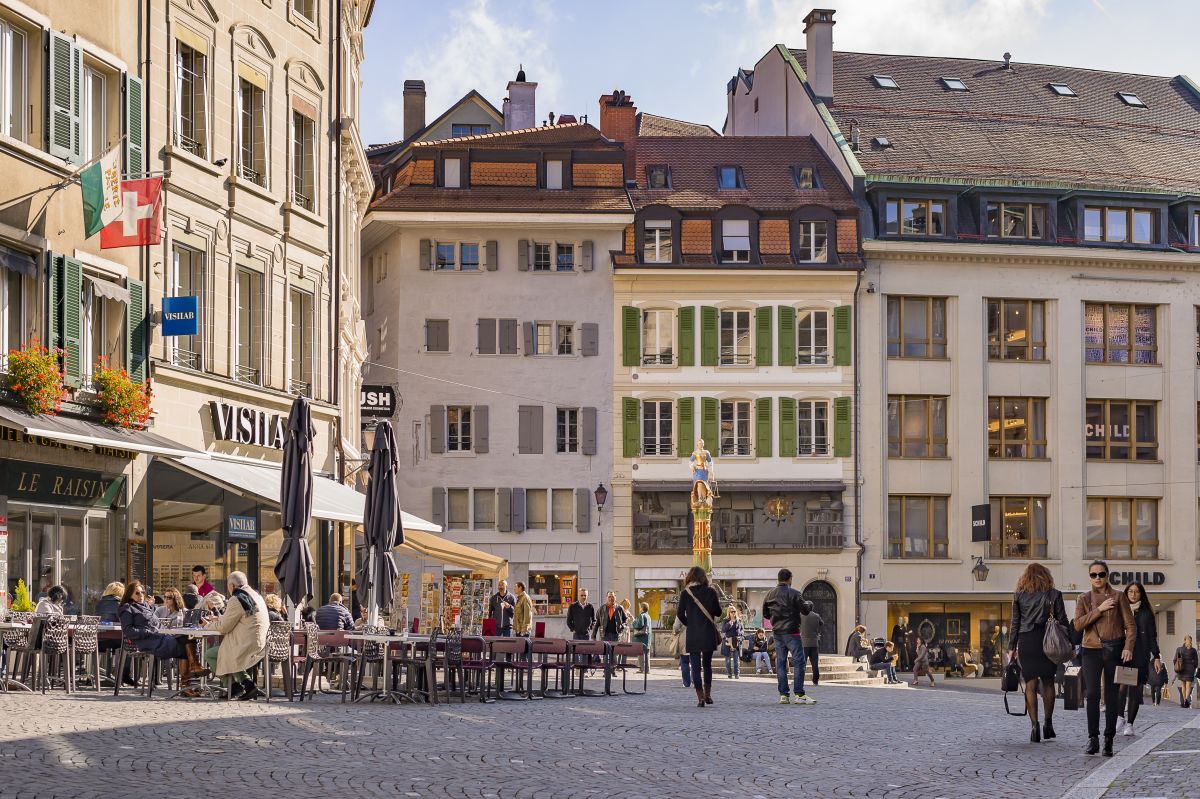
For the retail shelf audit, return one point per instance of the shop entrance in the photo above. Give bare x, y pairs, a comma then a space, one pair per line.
58, 546
824, 600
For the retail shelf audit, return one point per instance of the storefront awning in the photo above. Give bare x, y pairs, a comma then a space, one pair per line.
438, 548
725, 486
92, 434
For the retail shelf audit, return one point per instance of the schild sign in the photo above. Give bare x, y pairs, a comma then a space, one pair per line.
377, 401
981, 523
180, 316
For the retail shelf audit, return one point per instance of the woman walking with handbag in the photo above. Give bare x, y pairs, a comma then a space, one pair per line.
1103, 616
699, 610
732, 632
1144, 650
1185, 670
1036, 602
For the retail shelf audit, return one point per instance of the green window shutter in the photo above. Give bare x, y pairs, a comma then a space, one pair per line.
841, 427
71, 323
787, 336
708, 335
135, 330
54, 302
64, 132
631, 440
709, 428
762, 335
685, 426
135, 128
787, 427
762, 427
631, 336
841, 335
687, 336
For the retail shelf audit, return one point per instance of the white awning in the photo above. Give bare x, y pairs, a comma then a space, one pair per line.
92, 434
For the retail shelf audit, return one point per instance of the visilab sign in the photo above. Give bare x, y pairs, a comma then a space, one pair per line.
243, 425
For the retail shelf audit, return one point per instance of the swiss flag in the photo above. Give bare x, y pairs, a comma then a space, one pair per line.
141, 204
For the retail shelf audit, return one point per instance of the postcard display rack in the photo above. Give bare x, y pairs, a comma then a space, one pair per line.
466, 603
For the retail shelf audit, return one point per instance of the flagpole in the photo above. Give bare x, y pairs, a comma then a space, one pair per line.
69, 179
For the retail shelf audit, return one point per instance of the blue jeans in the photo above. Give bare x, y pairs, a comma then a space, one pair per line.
783, 645
685, 668
733, 665
762, 659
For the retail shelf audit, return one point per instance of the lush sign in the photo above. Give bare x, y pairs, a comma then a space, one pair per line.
377, 401
243, 425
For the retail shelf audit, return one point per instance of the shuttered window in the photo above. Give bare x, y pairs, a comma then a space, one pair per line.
812, 427
567, 430
686, 318
458, 428
630, 336
735, 427
658, 337
14, 81
685, 425
812, 337
562, 509
735, 338
437, 335
842, 420
657, 427
630, 440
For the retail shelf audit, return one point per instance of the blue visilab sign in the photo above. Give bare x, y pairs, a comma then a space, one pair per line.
180, 316
242, 527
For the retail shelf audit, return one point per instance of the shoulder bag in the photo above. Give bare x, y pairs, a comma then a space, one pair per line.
1056, 643
1011, 682
716, 625
1178, 663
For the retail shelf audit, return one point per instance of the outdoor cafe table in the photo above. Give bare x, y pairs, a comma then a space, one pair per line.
388, 693
104, 631
201, 634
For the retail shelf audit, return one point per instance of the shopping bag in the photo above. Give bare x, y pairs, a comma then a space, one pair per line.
1126, 675
1072, 689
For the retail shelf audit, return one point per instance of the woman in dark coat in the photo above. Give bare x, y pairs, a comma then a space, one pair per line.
140, 624
1035, 600
1145, 650
1185, 659
700, 611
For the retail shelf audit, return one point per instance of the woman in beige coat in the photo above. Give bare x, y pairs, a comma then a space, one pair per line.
244, 627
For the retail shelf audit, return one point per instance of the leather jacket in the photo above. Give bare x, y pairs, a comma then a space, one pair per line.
1030, 610
1146, 648
784, 606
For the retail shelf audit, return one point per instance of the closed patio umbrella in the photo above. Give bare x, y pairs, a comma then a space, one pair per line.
294, 565
382, 527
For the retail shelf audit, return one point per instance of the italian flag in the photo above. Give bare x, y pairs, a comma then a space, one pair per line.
101, 184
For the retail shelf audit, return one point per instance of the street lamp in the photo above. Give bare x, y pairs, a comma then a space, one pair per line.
601, 494
980, 572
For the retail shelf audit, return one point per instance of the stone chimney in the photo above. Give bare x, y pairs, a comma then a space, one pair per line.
414, 107
520, 110
818, 56
618, 122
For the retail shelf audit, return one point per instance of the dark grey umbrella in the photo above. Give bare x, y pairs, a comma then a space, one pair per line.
294, 566
382, 527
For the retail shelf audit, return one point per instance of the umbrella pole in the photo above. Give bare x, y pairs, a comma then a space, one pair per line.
293, 613
373, 598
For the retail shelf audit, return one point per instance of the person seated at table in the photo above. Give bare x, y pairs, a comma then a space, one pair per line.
52, 603
244, 627
308, 615
274, 607
523, 612
213, 602
141, 626
172, 609
334, 615
191, 597
108, 608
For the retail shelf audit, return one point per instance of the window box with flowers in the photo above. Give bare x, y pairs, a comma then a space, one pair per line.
34, 378
122, 401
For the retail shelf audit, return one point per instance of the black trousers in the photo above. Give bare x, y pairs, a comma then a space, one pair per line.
811, 654
1130, 701
1099, 668
702, 668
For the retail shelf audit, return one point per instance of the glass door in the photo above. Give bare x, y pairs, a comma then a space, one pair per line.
101, 567
71, 560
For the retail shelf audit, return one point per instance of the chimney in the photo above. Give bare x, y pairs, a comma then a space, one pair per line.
414, 107
618, 122
818, 57
520, 110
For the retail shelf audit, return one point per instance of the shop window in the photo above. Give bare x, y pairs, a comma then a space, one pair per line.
657, 429
248, 367
1016, 330
812, 427
188, 268
1121, 430
917, 427
458, 428
553, 593
917, 527
736, 342
1016, 220
304, 161
252, 131
915, 217
567, 430
658, 337
191, 98
916, 327
813, 242
812, 338
1120, 225
301, 312
735, 427
1016, 427
1119, 333
14, 81
657, 245
660, 521
1121, 528
1019, 527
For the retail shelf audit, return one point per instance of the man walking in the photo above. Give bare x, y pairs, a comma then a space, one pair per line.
581, 617
785, 607
500, 608
810, 635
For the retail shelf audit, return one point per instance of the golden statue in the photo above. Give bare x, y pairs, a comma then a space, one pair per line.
701, 504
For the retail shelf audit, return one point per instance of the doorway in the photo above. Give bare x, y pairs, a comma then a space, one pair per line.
824, 600
59, 546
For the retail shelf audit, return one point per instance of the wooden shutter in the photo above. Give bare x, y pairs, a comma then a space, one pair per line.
64, 127
588, 434
72, 329
437, 507
787, 336
710, 431
631, 336
787, 427
518, 510
708, 335
583, 510
508, 336
841, 335
135, 330
685, 426
479, 417
504, 510
135, 127
762, 335
588, 260
527, 328
437, 429
841, 427
529, 429
523, 424
54, 296
486, 329
631, 439
762, 427
426, 257
493, 256
523, 255
686, 343
590, 333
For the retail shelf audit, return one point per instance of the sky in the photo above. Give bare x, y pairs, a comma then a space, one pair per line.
674, 57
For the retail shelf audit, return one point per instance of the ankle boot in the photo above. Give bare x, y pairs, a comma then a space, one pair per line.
1048, 730
1108, 741
708, 695
699, 697
1035, 736
250, 690
1093, 747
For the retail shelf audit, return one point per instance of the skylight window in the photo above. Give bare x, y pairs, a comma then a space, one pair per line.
954, 84
1062, 90
1129, 98
885, 81
730, 177
882, 141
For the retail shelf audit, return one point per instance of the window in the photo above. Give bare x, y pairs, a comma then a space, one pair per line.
535, 509
730, 177
468, 257
458, 428
735, 338
95, 110
1122, 528
543, 338
102, 323
1120, 333
1120, 225
1062, 90
12, 307
484, 501
805, 177
657, 418
916, 327
812, 426
567, 430
302, 342
452, 173
812, 338
813, 242
554, 174
304, 161
188, 268
1121, 430
252, 132
885, 81
917, 527
1016, 330
1129, 98
1019, 527
1016, 220
249, 326
541, 257
658, 177
445, 256
458, 131
658, 338
1194, 236
562, 509
458, 505
916, 427
735, 427
954, 84
14, 93
735, 241
306, 9
564, 257
915, 218
191, 90
437, 335
1016, 427
564, 336
656, 242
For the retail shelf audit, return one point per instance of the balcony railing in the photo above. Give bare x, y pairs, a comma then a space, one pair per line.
252, 175
246, 374
658, 359
658, 539
185, 358
301, 195
300, 388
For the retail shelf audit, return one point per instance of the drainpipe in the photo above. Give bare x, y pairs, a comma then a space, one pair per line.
858, 479
335, 179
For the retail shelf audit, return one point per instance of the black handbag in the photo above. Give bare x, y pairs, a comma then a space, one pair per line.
1011, 682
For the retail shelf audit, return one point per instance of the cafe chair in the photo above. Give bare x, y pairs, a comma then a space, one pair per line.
477, 665
85, 642
22, 646
515, 659
142, 665
279, 650
620, 661
589, 656
56, 645
371, 654
551, 655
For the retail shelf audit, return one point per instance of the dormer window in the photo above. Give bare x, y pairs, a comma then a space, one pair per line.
885, 81
1062, 90
1007, 220
915, 218
1129, 98
805, 177
452, 173
656, 241
730, 177
658, 177
1195, 236
1119, 225
735, 241
954, 84
554, 174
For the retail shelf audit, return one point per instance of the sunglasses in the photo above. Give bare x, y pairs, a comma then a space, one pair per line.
1097, 575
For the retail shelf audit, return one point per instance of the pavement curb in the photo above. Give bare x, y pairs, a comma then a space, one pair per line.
1095, 784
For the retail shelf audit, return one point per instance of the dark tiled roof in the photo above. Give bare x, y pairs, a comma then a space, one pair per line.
654, 125
574, 135
766, 163
1011, 127
505, 198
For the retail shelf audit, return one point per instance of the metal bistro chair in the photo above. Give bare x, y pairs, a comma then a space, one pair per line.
453, 676
517, 650
56, 646
317, 661
619, 661
371, 654
19, 644
477, 667
144, 667
85, 641
591, 655
423, 669
279, 650
550, 655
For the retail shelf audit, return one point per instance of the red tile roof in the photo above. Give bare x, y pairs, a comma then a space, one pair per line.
568, 135
654, 125
505, 198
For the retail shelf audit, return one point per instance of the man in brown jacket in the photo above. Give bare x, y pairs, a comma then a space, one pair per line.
1104, 617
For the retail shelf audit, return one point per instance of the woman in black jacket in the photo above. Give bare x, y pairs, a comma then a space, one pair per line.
140, 624
1185, 670
700, 611
1035, 600
1145, 650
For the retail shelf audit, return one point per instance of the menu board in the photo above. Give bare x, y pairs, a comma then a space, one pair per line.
137, 557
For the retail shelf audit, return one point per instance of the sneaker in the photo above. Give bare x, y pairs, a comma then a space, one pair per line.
1128, 730
784, 699
803, 699
1120, 724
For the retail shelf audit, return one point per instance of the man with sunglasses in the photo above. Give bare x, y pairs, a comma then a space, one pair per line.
1104, 617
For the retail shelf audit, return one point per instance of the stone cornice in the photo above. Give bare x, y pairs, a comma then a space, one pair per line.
1017, 255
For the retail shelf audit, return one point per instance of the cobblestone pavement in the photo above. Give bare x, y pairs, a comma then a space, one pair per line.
857, 742
1171, 770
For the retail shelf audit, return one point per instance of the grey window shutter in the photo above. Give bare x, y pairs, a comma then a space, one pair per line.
583, 510
437, 428
72, 323
590, 332
493, 256
504, 510
536, 425
588, 248
438, 508
65, 128
135, 330
523, 255
528, 330
518, 510
487, 336
480, 417
508, 336
426, 255
588, 435
523, 426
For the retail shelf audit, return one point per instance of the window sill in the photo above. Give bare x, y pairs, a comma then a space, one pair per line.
737, 366
460, 454
939, 359
552, 271
436, 352
458, 271
804, 367
43, 158
1118, 363
252, 189
1019, 360
924, 560
811, 458
657, 367
1124, 462
303, 213
657, 458
172, 153
1018, 460
919, 457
